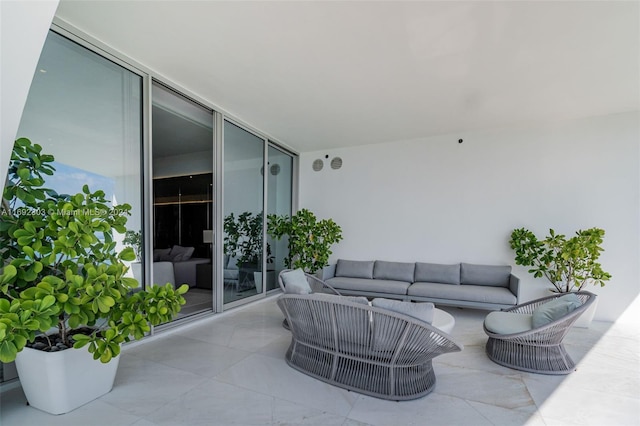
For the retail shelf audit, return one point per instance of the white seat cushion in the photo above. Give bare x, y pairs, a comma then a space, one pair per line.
507, 322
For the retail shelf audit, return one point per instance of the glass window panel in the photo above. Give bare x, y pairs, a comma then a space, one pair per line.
182, 146
279, 187
243, 209
87, 112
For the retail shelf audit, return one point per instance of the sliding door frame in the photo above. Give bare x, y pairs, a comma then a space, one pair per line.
219, 116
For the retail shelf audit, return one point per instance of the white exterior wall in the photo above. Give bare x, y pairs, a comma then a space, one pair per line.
24, 27
435, 200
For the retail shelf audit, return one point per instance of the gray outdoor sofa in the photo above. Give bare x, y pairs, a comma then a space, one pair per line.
487, 287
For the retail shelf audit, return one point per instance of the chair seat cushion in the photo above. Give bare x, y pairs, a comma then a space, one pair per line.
555, 309
507, 322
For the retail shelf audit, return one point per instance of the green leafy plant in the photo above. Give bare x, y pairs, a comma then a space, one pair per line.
243, 238
61, 267
569, 264
309, 240
133, 239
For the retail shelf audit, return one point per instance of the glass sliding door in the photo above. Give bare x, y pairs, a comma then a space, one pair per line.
86, 111
243, 213
182, 148
279, 197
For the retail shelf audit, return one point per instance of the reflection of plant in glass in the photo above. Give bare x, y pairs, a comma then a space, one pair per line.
133, 239
243, 238
310, 240
61, 267
567, 264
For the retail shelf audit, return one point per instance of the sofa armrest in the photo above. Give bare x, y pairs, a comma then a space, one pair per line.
514, 286
328, 272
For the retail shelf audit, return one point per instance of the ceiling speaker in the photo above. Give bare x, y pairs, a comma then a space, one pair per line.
336, 163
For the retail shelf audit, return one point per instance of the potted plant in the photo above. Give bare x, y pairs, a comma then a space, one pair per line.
309, 240
243, 240
63, 287
568, 264
133, 239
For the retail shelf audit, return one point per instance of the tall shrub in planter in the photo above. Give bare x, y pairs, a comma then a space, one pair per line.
61, 270
309, 239
568, 264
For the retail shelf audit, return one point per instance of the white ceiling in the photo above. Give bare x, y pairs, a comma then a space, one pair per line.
319, 75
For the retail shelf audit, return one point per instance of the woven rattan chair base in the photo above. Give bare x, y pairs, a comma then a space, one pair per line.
379, 380
533, 359
363, 348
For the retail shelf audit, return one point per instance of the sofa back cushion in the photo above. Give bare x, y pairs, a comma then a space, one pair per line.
437, 273
489, 275
397, 271
162, 255
354, 268
180, 254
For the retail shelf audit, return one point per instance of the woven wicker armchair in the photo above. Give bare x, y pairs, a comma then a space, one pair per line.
363, 348
539, 350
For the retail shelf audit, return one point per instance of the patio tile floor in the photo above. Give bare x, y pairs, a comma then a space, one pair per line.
230, 370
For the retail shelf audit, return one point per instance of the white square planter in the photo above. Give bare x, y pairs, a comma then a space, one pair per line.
59, 382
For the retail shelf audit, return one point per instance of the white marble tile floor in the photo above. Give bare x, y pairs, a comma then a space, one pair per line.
230, 370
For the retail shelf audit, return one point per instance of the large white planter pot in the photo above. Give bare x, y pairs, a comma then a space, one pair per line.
59, 382
257, 279
584, 320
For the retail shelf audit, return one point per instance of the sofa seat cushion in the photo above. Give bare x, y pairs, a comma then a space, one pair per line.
377, 286
469, 293
508, 322
395, 271
489, 275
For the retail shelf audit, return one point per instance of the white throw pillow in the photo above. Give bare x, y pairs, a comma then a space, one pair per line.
295, 282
